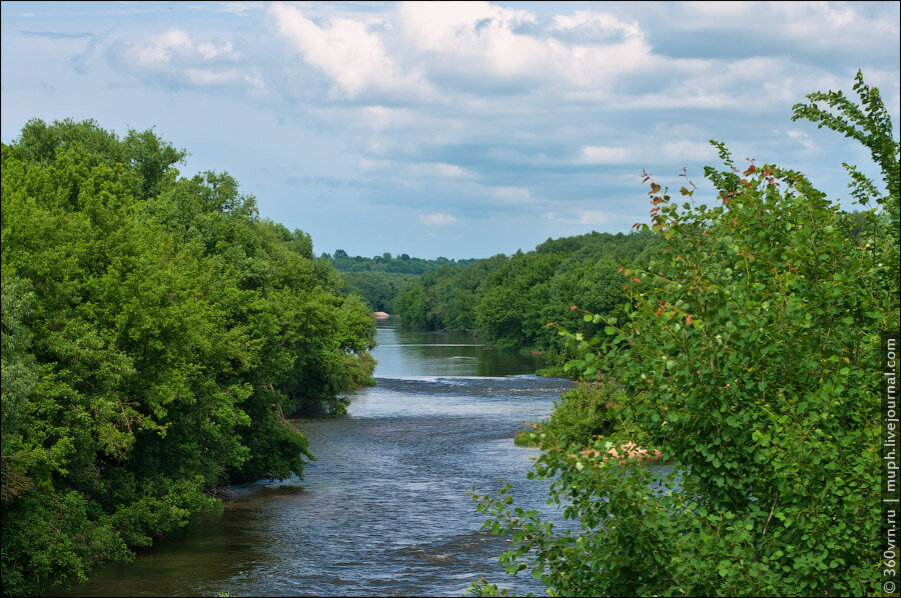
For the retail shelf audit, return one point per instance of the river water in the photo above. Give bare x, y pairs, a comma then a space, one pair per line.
384, 509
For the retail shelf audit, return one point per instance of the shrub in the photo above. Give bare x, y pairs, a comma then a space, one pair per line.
751, 350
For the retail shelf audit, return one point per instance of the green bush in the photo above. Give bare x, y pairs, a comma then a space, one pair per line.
587, 411
751, 351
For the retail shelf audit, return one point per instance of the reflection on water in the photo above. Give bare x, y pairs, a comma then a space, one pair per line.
409, 352
383, 510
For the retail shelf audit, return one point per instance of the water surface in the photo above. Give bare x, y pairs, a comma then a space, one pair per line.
384, 509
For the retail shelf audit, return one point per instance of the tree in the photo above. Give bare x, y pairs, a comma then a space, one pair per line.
156, 335
749, 355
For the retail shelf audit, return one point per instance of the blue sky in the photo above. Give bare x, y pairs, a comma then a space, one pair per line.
457, 130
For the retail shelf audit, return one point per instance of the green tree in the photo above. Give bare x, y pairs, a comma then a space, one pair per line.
750, 357
156, 335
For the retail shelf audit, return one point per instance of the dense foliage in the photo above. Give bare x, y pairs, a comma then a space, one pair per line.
401, 264
378, 289
590, 409
509, 300
380, 279
156, 334
750, 356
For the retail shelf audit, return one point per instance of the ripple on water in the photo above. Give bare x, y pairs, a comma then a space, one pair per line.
382, 511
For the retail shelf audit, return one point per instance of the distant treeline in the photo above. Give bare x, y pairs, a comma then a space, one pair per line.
156, 334
379, 279
402, 264
511, 300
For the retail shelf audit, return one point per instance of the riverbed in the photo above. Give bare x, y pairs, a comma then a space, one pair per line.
384, 509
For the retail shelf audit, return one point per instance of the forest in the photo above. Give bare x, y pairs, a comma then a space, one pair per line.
510, 300
379, 279
156, 335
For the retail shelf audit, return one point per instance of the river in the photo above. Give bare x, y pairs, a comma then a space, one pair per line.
384, 509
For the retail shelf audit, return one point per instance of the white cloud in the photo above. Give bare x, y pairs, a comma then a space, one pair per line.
452, 171
815, 26
601, 154
599, 25
464, 47
449, 53
381, 117
437, 219
367, 164
160, 51
347, 52
580, 218
593, 217
212, 77
417, 169
240, 9
452, 109
471, 39
802, 138
477, 45
174, 56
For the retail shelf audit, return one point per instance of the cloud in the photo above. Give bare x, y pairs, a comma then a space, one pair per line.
469, 58
597, 26
437, 219
802, 138
174, 58
477, 46
463, 43
419, 49
687, 151
646, 149
801, 26
581, 218
351, 55
240, 9
601, 154
417, 169
593, 217
56, 34
452, 171
382, 117
162, 50
483, 113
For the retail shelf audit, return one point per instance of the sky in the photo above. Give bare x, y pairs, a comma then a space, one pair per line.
453, 129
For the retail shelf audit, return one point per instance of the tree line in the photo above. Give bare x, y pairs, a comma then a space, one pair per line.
156, 335
509, 300
401, 264
380, 279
